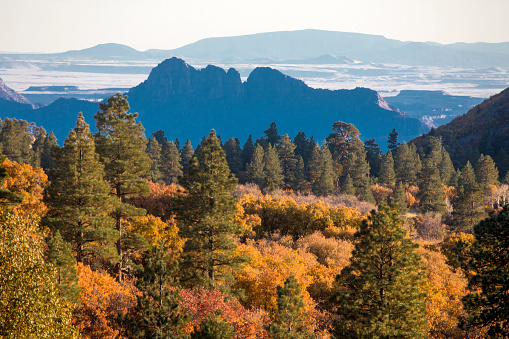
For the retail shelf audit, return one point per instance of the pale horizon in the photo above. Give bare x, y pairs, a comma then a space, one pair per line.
53, 26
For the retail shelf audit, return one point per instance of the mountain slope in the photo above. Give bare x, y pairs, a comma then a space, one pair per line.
12, 101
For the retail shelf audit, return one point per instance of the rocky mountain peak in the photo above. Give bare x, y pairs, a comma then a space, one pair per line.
8, 94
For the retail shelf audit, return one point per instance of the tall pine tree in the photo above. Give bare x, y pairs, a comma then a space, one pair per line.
78, 197
381, 292
206, 218
121, 146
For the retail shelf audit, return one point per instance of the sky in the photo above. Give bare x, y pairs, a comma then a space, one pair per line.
52, 26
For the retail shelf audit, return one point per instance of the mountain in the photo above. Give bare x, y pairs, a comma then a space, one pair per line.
11, 101
59, 117
483, 129
186, 103
301, 46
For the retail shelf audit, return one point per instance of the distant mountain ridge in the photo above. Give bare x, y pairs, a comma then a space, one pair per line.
302, 45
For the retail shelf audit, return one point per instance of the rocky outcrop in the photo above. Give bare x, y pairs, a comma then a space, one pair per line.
8, 94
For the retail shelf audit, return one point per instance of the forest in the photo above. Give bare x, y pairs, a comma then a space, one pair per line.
115, 235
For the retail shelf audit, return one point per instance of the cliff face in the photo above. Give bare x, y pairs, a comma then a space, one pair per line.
9, 94
187, 103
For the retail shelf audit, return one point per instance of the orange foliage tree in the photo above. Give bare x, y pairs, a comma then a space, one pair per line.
200, 303
102, 300
29, 182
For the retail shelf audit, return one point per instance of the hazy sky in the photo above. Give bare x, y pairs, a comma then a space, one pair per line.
61, 25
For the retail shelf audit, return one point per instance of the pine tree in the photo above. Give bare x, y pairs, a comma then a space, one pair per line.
254, 168
387, 175
286, 152
78, 197
300, 175
325, 183
485, 171
16, 141
121, 146
48, 147
347, 186
400, 197
468, 205
154, 154
214, 327
171, 167
303, 146
247, 151
359, 172
487, 303
392, 141
406, 164
272, 135
272, 167
315, 164
431, 193
373, 157
206, 218
158, 313
59, 254
343, 141
159, 136
502, 162
233, 155
364, 193
445, 167
289, 315
380, 293
187, 154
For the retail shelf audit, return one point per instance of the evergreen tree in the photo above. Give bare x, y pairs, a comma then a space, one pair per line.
373, 157
206, 218
300, 174
286, 152
16, 141
171, 167
233, 155
154, 154
254, 169
78, 197
158, 313
364, 193
400, 197
445, 167
325, 183
121, 146
303, 146
343, 141
380, 293
387, 175
272, 167
502, 162
289, 315
38, 146
272, 135
468, 205
159, 136
407, 164
431, 193
247, 151
487, 303
48, 147
187, 154
392, 141
359, 172
315, 164
214, 327
347, 186
59, 254
485, 171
